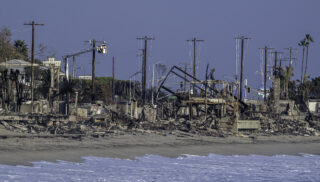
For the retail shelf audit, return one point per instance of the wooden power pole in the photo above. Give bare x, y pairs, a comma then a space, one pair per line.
144, 66
33, 24
265, 71
242, 38
276, 68
291, 58
194, 40
73, 66
113, 88
93, 89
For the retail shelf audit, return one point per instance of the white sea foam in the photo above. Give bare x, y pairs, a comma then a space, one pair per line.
185, 168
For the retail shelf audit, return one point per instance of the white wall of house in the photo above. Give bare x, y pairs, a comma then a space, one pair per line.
314, 106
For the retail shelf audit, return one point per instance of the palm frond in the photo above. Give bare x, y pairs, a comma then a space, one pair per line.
302, 42
309, 38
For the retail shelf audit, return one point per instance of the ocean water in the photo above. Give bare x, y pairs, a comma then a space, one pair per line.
185, 168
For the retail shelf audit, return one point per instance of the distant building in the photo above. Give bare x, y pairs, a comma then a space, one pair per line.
20, 65
85, 77
55, 64
56, 74
51, 62
16, 64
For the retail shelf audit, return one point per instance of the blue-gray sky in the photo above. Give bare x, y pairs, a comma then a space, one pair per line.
278, 24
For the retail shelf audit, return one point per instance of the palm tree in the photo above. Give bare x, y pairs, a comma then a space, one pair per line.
21, 47
308, 40
303, 44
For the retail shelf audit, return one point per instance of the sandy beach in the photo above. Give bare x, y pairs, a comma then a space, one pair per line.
22, 149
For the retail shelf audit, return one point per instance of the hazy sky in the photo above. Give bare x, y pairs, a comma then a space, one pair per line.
68, 23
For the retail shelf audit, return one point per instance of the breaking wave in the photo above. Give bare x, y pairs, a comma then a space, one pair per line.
213, 167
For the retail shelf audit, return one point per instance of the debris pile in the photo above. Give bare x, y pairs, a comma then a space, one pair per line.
102, 119
289, 127
36, 124
108, 122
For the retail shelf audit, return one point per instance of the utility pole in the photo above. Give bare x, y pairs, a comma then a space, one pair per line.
66, 68
242, 57
33, 24
93, 70
152, 85
277, 92
265, 71
286, 81
143, 76
275, 61
94, 49
291, 58
144, 66
74, 60
194, 40
113, 89
276, 68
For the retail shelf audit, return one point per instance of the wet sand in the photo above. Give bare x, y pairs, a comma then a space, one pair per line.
22, 149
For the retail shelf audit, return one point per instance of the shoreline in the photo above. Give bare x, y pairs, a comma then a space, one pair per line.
22, 149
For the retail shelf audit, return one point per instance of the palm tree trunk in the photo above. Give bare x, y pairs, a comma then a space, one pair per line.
305, 68
303, 50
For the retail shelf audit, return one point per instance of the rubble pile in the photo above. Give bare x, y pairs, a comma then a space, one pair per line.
111, 121
102, 119
289, 127
207, 127
71, 125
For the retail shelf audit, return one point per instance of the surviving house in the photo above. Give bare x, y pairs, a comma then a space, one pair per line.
18, 65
